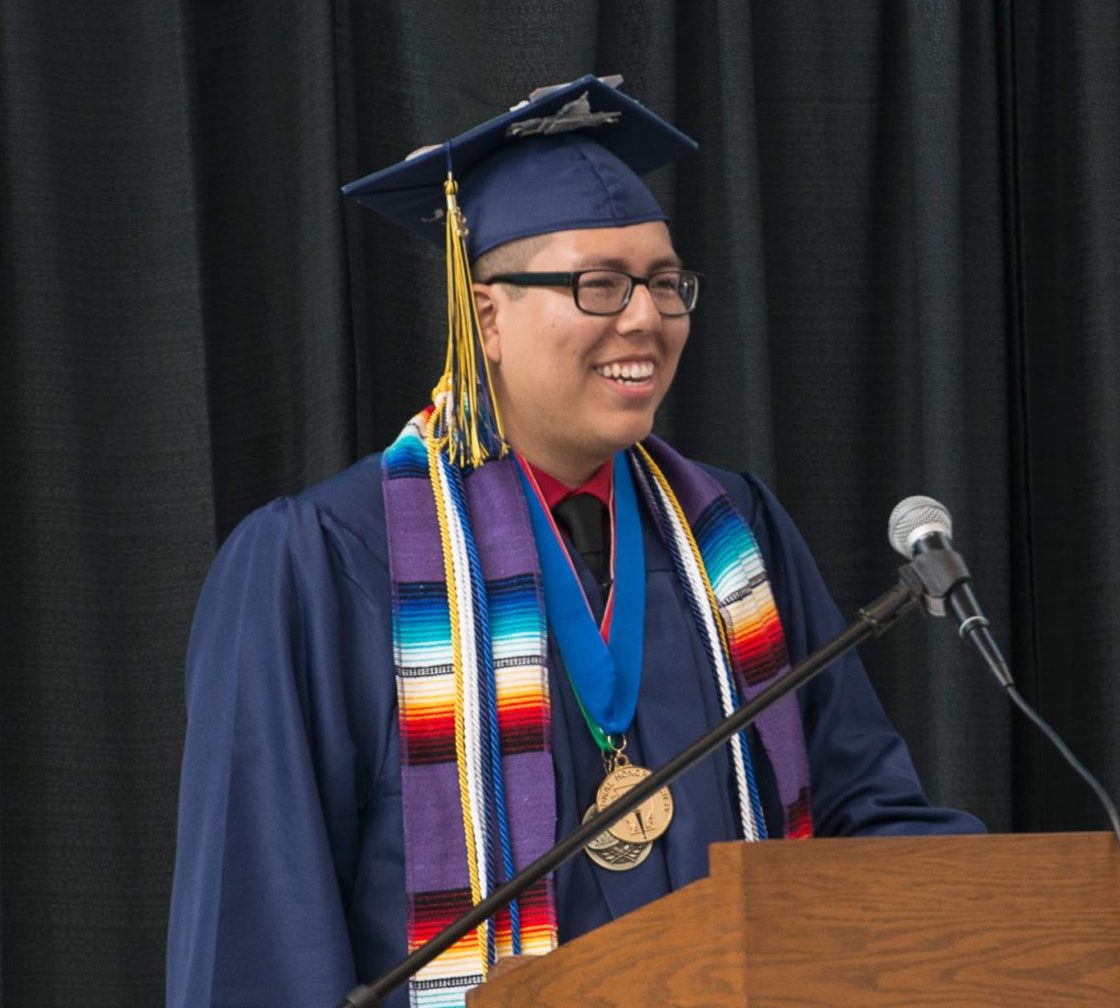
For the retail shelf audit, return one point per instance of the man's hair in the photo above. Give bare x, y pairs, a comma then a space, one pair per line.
509, 257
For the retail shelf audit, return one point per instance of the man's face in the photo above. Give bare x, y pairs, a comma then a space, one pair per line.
553, 366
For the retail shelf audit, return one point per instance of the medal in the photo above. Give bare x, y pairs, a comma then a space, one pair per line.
649, 820
607, 851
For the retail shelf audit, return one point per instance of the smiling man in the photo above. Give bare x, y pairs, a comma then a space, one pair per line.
406, 683
576, 387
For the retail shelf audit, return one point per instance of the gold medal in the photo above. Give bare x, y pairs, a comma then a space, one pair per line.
607, 851
650, 819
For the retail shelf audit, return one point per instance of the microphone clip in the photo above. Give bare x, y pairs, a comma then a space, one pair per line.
933, 575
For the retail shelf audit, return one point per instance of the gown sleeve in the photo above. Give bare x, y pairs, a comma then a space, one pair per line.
267, 840
863, 780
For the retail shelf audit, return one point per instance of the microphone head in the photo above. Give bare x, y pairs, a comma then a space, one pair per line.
915, 517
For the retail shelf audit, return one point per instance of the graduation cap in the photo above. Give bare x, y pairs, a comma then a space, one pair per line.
569, 157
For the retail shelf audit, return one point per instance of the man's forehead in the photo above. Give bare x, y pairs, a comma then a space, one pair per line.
649, 242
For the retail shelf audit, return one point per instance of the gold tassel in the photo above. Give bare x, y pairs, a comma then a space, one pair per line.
472, 425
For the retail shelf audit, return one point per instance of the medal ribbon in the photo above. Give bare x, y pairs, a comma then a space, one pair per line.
605, 674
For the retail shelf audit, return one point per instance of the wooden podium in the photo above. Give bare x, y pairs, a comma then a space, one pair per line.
1019, 920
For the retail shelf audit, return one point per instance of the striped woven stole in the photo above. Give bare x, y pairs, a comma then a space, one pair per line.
470, 650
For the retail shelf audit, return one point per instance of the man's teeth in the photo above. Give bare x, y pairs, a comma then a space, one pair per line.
637, 371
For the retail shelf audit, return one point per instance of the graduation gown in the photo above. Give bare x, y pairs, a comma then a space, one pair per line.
289, 875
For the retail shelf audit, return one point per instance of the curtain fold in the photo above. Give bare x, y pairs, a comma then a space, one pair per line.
105, 497
1067, 72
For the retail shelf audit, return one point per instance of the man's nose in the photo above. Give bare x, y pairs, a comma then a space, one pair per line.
641, 313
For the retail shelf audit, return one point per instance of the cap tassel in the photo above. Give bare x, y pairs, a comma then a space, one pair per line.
472, 424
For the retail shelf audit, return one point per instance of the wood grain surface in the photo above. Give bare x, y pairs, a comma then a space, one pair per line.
915, 921
683, 951
906, 922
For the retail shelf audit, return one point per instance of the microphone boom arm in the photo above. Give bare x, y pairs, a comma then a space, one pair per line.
873, 620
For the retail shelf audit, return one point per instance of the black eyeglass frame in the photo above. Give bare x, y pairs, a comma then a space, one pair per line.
571, 281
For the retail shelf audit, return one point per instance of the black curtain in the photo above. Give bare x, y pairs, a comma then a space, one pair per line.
907, 212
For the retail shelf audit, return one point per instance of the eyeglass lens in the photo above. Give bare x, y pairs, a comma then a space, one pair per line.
674, 292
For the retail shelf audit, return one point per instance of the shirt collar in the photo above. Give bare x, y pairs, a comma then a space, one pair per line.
599, 485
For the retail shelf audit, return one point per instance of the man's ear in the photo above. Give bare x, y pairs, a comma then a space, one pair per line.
489, 329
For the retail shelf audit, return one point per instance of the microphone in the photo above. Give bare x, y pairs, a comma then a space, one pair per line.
921, 530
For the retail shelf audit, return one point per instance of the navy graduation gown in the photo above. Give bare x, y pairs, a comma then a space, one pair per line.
289, 876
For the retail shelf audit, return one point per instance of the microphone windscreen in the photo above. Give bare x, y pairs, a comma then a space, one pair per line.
915, 517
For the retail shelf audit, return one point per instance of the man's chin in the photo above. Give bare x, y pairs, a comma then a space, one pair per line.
629, 434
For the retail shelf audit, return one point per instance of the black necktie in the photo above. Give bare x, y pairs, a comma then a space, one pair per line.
583, 516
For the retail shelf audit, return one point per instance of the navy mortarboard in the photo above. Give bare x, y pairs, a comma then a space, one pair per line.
569, 157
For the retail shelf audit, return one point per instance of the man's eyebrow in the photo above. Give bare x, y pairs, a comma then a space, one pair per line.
672, 261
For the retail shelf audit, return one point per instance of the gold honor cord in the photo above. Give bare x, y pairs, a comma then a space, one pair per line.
466, 427
436, 478
473, 423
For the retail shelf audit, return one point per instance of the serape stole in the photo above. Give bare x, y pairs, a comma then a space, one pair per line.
755, 641
470, 650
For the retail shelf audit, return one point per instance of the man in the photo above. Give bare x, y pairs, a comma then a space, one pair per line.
405, 683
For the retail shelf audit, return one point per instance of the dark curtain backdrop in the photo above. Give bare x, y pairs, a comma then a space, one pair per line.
907, 212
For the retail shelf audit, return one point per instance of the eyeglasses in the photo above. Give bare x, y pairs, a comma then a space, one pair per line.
608, 291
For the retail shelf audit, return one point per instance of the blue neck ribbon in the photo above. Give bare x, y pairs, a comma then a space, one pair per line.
605, 675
